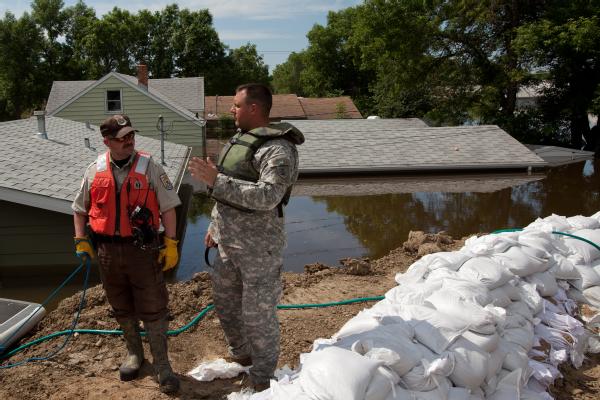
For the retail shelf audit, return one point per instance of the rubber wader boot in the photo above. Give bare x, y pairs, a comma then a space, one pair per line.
157, 336
135, 352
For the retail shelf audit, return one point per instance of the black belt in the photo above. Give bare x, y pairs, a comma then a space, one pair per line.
113, 239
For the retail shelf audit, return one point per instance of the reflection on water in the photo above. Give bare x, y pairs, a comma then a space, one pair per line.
327, 228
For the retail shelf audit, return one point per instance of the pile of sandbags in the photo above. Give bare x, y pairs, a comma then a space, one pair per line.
490, 321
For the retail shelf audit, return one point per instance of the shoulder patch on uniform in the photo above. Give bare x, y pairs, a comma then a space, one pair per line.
166, 182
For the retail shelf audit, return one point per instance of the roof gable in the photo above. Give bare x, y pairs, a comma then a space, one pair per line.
66, 88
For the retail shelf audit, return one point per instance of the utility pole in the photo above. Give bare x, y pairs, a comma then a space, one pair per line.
161, 124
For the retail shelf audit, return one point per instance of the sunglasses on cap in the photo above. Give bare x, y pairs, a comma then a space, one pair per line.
125, 138
120, 120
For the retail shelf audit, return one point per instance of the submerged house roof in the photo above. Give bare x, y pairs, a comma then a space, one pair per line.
290, 106
46, 173
396, 145
329, 107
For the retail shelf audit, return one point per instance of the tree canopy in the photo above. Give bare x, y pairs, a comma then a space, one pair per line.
459, 61
54, 42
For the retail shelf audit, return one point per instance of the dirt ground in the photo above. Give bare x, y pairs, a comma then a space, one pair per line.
87, 368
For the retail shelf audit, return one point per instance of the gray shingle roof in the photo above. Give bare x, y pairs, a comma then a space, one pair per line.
188, 92
63, 91
46, 173
339, 146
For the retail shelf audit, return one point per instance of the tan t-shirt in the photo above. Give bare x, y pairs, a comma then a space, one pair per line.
158, 179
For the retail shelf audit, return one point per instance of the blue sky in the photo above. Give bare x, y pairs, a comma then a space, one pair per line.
277, 27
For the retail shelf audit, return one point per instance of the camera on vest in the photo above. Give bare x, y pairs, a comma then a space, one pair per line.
141, 226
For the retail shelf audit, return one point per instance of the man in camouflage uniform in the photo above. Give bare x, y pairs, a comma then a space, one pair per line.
248, 228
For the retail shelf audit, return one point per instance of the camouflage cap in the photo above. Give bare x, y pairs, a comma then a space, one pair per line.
116, 126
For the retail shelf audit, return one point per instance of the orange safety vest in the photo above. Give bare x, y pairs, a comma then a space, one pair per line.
135, 191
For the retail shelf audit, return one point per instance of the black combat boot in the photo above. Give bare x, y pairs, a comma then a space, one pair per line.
130, 368
157, 336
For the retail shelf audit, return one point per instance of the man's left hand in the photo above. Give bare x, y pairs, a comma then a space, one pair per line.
168, 254
204, 171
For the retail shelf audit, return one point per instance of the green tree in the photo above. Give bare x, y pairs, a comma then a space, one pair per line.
286, 76
248, 66
563, 44
21, 49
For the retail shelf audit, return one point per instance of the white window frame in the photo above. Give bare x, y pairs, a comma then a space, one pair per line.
120, 110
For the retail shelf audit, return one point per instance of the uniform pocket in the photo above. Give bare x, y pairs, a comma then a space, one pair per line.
100, 195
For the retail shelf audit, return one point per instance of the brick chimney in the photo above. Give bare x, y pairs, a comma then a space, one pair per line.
142, 75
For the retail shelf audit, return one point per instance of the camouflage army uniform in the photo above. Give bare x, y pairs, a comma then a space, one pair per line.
247, 270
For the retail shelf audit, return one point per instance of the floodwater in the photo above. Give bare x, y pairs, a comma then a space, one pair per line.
369, 216
329, 219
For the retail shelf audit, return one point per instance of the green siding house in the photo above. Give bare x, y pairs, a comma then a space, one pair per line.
180, 102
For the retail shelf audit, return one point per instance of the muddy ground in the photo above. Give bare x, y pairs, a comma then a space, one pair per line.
87, 367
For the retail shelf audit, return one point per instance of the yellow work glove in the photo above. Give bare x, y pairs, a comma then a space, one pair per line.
83, 247
168, 254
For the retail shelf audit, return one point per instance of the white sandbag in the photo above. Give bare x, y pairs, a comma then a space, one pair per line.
441, 275
577, 295
521, 308
495, 363
559, 339
413, 293
544, 373
522, 261
522, 336
415, 273
546, 242
563, 268
385, 337
486, 342
453, 393
529, 295
544, 282
425, 377
336, 374
516, 321
217, 369
585, 251
588, 277
451, 260
362, 322
525, 375
592, 296
471, 364
508, 388
516, 357
486, 271
528, 394
490, 244
500, 296
433, 328
535, 391
551, 317
287, 391
578, 222
381, 384
468, 290
550, 223
454, 305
